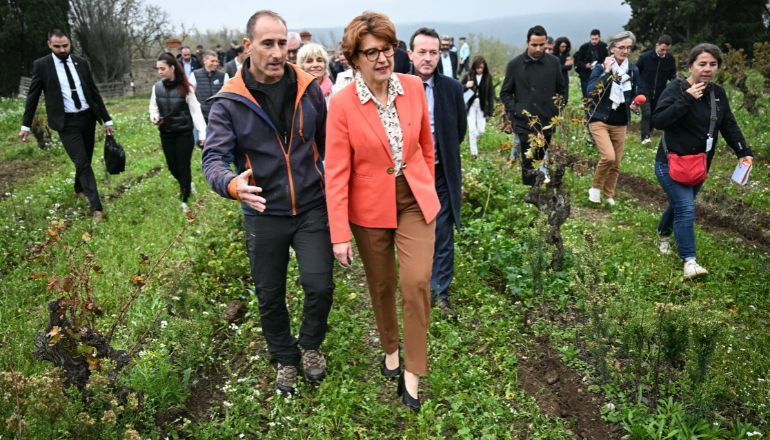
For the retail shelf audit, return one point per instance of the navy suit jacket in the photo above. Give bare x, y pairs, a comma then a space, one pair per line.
451, 123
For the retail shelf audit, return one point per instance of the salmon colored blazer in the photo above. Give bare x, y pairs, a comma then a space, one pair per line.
360, 179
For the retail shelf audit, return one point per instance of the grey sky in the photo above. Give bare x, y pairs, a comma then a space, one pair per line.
322, 14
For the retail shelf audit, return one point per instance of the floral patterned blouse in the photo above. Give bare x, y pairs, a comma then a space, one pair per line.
388, 115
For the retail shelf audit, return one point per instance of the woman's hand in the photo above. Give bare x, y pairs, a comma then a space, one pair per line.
697, 90
469, 84
633, 107
607, 64
568, 62
202, 142
748, 159
156, 121
343, 252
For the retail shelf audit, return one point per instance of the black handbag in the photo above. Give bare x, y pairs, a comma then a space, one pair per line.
114, 156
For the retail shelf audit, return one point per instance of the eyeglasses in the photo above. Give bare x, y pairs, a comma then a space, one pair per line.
623, 48
293, 51
372, 54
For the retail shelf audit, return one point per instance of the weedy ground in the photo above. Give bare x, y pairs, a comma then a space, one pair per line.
621, 331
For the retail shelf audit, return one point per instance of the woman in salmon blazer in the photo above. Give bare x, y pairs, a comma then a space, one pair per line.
380, 186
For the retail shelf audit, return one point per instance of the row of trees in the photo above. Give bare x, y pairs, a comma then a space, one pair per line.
107, 32
739, 23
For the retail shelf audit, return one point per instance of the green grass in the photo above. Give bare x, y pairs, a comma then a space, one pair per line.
473, 387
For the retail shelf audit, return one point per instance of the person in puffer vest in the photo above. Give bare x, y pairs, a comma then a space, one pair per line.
270, 121
207, 81
175, 110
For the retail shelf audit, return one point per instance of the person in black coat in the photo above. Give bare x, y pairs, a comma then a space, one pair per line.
447, 58
401, 62
73, 106
188, 61
532, 83
656, 68
589, 55
561, 49
449, 124
482, 104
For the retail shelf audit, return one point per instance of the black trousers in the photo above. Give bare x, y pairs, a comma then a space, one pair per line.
77, 137
648, 108
539, 154
178, 149
268, 239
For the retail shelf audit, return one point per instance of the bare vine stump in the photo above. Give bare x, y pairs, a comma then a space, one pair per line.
77, 369
555, 202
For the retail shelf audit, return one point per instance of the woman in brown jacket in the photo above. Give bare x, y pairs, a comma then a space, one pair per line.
482, 103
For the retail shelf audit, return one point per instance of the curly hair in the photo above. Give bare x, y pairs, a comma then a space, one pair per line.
557, 45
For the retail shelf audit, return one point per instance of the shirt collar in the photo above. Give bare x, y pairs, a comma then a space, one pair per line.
431, 81
55, 58
659, 55
364, 94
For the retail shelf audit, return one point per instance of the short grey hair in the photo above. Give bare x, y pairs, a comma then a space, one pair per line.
446, 37
620, 36
293, 37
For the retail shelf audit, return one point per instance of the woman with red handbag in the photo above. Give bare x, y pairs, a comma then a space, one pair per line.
691, 112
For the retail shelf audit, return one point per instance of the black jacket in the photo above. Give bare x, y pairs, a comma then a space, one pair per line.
485, 92
531, 85
655, 72
45, 79
685, 121
401, 62
587, 54
453, 59
230, 55
195, 64
451, 121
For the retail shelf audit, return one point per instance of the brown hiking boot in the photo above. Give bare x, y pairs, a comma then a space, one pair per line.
446, 311
286, 379
98, 216
314, 364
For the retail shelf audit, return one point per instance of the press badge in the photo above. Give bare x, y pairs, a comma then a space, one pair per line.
709, 143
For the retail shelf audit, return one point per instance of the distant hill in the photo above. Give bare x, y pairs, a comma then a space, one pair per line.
575, 25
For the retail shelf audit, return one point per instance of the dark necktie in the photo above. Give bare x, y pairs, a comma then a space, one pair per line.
425, 86
74, 90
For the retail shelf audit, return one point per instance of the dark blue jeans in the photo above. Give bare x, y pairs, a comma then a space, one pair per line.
584, 88
679, 216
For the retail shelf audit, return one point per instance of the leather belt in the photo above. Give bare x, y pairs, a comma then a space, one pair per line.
78, 114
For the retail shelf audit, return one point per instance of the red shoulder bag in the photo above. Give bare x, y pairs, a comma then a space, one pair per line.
692, 170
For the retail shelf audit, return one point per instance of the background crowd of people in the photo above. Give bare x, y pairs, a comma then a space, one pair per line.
366, 144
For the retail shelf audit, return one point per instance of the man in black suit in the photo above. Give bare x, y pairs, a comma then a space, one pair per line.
448, 122
73, 106
448, 59
232, 66
188, 61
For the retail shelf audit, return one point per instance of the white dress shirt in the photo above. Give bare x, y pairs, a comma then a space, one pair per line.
192, 104
187, 68
431, 104
66, 92
446, 64
194, 82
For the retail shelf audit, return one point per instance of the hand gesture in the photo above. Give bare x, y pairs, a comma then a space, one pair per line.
23, 135
343, 252
608, 64
247, 193
697, 90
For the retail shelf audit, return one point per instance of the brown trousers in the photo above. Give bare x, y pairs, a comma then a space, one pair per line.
414, 240
610, 139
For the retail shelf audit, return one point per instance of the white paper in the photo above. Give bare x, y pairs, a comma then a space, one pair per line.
741, 174
709, 144
468, 95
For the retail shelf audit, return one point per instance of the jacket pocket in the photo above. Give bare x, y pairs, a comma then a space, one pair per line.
361, 176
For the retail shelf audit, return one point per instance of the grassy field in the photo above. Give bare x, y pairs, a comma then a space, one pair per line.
620, 332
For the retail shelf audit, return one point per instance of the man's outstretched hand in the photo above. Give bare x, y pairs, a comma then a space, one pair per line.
247, 193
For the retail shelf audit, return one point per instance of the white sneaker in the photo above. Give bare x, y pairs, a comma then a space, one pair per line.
595, 195
664, 246
646, 141
693, 269
192, 188
547, 180
611, 201
185, 208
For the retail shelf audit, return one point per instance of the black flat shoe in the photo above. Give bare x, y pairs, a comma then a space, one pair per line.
411, 402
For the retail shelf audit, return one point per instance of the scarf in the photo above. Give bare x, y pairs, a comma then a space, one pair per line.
621, 84
326, 85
